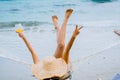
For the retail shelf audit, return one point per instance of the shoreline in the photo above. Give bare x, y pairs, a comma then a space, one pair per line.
14, 70
103, 66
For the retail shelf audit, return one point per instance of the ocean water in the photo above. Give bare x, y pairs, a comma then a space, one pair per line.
98, 17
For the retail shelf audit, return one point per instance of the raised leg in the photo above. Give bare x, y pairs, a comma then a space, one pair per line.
55, 22
61, 35
65, 55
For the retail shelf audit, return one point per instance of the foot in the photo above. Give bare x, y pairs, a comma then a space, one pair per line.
68, 13
55, 21
117, 32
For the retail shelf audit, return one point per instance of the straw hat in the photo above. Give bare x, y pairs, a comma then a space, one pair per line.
49, 67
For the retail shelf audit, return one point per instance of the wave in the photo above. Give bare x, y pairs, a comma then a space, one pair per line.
37, 24
101, 1
64, 5
24, 23
6, 0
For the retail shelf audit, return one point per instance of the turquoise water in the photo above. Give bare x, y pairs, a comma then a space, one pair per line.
35, 16
41, 10
98, 18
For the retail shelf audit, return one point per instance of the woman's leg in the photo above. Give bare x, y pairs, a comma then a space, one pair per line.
61, 35
55, 22
65, 55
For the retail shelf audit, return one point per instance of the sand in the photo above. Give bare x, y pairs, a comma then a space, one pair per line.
11, 70
103, 66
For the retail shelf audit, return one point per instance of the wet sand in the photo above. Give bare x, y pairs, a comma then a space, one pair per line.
102, 66
95, 67
11, 70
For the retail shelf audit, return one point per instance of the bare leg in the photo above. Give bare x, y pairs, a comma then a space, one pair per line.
65, 55
55, 21
61, 35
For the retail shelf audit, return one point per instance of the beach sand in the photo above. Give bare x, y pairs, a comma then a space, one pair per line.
11, 70
102, 66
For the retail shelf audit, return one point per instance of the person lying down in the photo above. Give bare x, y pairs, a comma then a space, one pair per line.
56, 67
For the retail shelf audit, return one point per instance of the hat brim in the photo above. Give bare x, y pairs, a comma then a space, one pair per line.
58, 70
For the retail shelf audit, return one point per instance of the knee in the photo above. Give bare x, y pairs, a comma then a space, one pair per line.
61, 45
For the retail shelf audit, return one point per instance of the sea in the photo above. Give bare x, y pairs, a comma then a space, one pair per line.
99, 18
